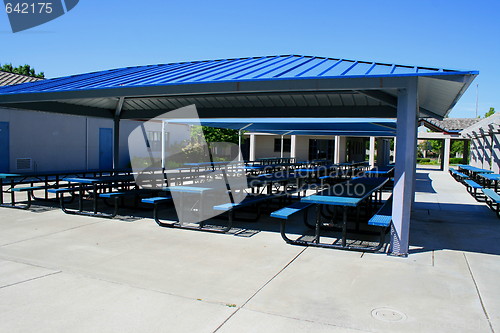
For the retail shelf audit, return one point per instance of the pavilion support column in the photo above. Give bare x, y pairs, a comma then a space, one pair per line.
446, 154
394, 152
240, 156
371, 155
163, 145
293, 146
340, 149
405, 168
336, 153
281, 151
383, 152
252, 148
116, 133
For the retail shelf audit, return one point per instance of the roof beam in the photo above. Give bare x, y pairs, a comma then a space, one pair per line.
237, 87
380, 96
426, 113
64, 108
382, 111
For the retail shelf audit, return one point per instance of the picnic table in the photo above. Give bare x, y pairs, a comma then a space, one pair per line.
44, 181
269, 181
380, 172
93, 185
350, 194
472, 171
212, 165
489, 180
201, 197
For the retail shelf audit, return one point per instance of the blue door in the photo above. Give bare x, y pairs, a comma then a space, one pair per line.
4, 147
105, 148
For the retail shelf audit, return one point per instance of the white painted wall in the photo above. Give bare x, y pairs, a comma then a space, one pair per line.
264, 146
53, 141
496, 153
58, 142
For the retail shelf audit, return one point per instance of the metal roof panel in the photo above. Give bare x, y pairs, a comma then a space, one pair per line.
239, 69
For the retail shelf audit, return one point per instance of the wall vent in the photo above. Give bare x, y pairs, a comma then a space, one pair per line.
24, 164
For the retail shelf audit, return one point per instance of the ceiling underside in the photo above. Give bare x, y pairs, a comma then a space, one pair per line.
436, 96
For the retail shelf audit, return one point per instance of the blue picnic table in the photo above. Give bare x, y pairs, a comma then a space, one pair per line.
380, 172
93, 184
346, 195
48, 179
490, 178
473, 172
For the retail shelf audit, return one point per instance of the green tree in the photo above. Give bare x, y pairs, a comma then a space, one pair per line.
457, 146
213, 134
436, 146
22, 70
489, 113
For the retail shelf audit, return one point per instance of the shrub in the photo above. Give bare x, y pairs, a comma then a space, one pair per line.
456, 160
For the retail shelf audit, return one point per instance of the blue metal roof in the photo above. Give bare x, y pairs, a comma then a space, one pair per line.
227, 70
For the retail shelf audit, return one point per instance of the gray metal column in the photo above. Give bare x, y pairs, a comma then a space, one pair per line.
116, 132
405, 167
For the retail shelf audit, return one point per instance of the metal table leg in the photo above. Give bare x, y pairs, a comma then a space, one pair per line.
344, 227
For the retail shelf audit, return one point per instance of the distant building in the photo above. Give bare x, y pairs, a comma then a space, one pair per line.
446, 130
34, 141
484, 136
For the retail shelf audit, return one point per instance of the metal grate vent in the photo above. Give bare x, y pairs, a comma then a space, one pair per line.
24, 164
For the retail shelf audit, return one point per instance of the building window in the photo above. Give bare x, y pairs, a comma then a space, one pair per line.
287, 144
321, 149
154, 139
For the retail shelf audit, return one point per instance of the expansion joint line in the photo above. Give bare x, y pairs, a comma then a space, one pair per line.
265, 284
479, 294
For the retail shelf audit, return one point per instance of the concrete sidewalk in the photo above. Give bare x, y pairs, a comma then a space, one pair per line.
62, 273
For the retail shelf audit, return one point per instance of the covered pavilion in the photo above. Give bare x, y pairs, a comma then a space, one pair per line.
289, 86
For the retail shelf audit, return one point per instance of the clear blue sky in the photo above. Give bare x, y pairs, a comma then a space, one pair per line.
105, 34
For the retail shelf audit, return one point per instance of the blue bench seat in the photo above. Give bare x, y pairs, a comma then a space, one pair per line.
285, 213
156, 200
472, 187
383, 217
248, 201
459, 176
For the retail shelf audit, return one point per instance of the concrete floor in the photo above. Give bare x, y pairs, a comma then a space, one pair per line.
61, 273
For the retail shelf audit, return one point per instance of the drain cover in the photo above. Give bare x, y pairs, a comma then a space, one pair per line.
386, 314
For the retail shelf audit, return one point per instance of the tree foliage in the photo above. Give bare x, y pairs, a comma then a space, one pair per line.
489, 113
22, 70
436, 145
213, 134
457, 146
